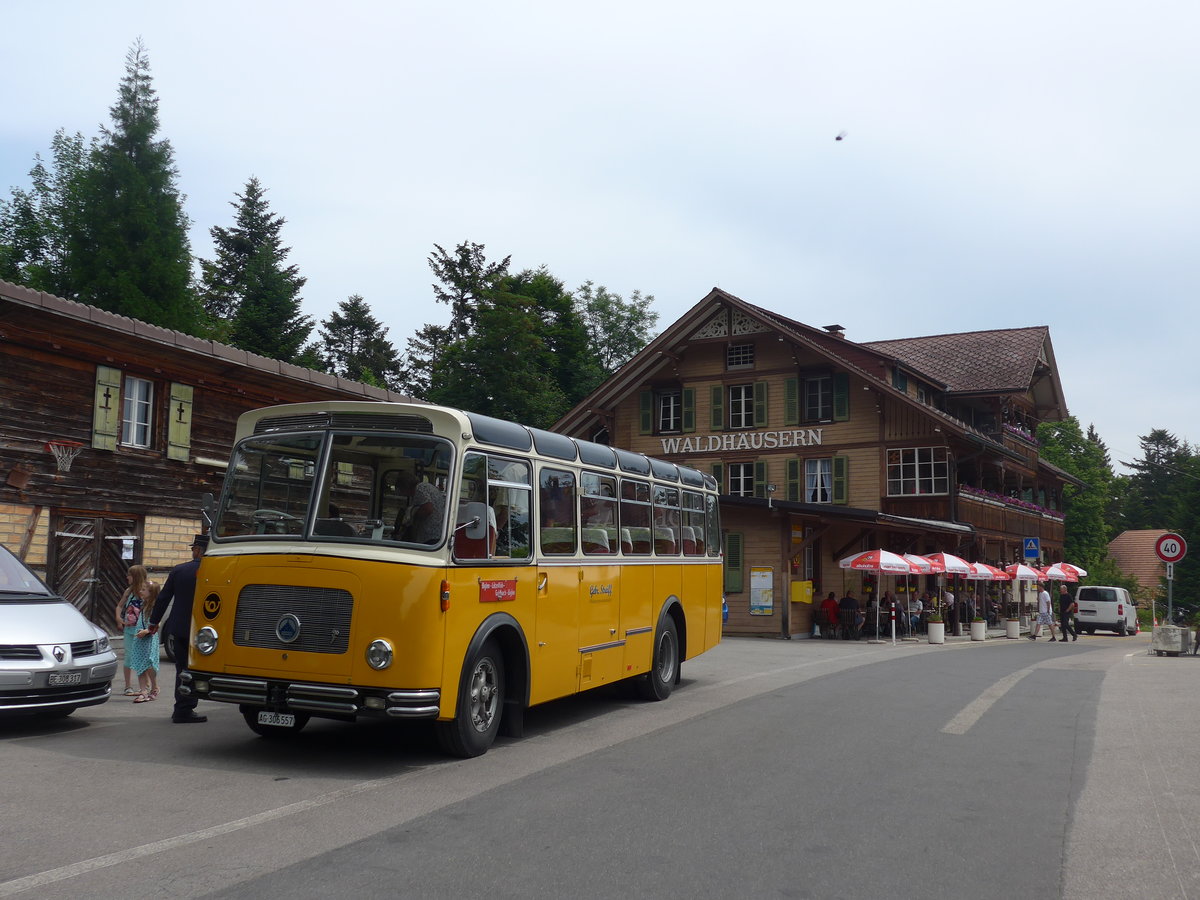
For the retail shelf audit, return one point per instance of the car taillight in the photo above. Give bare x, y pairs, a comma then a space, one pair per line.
1120, 609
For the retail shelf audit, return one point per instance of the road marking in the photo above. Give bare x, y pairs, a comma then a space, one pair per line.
50, 876
973, 711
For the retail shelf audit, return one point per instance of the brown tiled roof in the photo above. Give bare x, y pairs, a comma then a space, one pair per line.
1134, 554
974, 361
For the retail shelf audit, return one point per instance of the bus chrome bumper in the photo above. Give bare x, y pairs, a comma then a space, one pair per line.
317, 699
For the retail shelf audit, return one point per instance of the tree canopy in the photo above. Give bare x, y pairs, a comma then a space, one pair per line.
354, 345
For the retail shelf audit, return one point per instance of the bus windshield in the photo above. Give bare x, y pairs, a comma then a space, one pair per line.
337, 486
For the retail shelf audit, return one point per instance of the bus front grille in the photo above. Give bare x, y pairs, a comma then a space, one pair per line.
293, 617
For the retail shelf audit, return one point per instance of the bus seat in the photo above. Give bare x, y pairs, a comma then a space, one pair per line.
640, 540
333, 528
626, 541
558, 540
595, 540
689, 541
664, 540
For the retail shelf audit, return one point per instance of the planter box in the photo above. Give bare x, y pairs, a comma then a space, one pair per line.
1012, 628
937, 632
979, 631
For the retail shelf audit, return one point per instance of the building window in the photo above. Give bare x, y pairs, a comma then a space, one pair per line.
670, 412
918, 470
741, 479
818, 398
137, 400
739, 356
741, 406
818, 480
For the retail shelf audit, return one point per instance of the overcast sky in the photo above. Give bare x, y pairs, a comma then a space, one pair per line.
1006, 164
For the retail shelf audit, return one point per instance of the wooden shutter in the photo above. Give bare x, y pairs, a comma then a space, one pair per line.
841, 396
106, 413
646, 412
841, 479
689, 409
760, 479
718, 472
179, 423
733, 563
791, 401
717, 412
760, 404
795, 479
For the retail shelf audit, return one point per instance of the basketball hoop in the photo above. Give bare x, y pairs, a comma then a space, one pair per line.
64, 453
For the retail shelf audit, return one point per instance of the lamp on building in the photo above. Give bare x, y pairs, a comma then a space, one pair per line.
770, 492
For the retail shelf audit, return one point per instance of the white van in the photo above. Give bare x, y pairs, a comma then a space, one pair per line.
1110, 608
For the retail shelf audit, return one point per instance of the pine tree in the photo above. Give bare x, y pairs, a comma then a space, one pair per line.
1153, 498
354, 345
249, 293
127, 248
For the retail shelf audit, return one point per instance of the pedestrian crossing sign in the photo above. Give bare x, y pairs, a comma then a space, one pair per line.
1033, 548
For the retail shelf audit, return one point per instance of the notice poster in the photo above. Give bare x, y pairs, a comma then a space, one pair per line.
762, 590
497, 591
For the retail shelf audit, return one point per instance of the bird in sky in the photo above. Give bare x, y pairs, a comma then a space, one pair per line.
841, 135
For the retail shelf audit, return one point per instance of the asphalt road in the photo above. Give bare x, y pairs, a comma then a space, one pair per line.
778, 768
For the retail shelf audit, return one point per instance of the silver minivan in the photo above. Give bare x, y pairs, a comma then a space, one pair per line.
52, 659
1107, 608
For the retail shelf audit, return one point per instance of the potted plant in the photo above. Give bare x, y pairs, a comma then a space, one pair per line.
936, 627
979, 629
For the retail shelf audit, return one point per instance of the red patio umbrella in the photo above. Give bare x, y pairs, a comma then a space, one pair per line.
879, 561
1065, 572
950, 563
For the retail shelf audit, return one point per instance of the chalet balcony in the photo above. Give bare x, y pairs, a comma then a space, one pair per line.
988, 514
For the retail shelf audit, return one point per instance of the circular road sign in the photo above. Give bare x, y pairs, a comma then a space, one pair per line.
1171, 547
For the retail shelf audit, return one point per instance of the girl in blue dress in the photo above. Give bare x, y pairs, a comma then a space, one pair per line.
142, 656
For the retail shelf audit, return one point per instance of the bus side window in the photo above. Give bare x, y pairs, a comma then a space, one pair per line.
556, 508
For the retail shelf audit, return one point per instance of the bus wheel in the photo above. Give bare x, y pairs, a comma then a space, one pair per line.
480, 704
250, 714
664, 668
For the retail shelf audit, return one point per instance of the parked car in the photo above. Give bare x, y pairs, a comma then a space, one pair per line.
52, 659
1109, 608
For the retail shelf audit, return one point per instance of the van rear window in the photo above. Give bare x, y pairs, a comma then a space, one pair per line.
1103, 595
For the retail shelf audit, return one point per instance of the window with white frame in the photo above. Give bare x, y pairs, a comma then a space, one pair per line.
670, 412
741, 479
818, 398
741, 406
739, 356
918, 470
818, 480
137, 404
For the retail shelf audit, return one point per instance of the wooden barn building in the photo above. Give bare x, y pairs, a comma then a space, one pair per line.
148, 415
825, 447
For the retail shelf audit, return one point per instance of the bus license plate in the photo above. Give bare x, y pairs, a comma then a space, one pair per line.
283, 720
60, 678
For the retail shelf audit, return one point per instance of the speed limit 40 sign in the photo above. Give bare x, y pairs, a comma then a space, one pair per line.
1171, 547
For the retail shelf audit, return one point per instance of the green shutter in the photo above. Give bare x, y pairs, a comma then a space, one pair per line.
718, 472
646, 412
106, 413
689, 409
795, 474
179, 423
760, 479
760, 404
841, 396
791, 401
716, 419
733, 563
841, 479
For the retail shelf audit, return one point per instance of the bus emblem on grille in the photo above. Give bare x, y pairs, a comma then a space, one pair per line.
287, 629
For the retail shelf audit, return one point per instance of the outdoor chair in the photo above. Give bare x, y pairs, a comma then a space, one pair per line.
848, 624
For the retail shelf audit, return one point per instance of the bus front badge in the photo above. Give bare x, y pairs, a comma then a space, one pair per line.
287, 629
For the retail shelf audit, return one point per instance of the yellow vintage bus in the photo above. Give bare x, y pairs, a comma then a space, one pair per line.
419, 562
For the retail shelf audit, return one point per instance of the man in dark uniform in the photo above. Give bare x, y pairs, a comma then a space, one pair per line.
180, 587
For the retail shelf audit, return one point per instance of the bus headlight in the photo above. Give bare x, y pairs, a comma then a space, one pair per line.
379, 654
206, 640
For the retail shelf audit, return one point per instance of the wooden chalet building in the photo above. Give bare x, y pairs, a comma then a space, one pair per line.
825, 447
153, 413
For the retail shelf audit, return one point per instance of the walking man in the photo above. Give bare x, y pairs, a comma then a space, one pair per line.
181, 587
1066, 614
1045, 616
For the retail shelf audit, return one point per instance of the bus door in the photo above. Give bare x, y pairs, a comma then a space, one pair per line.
601, 640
